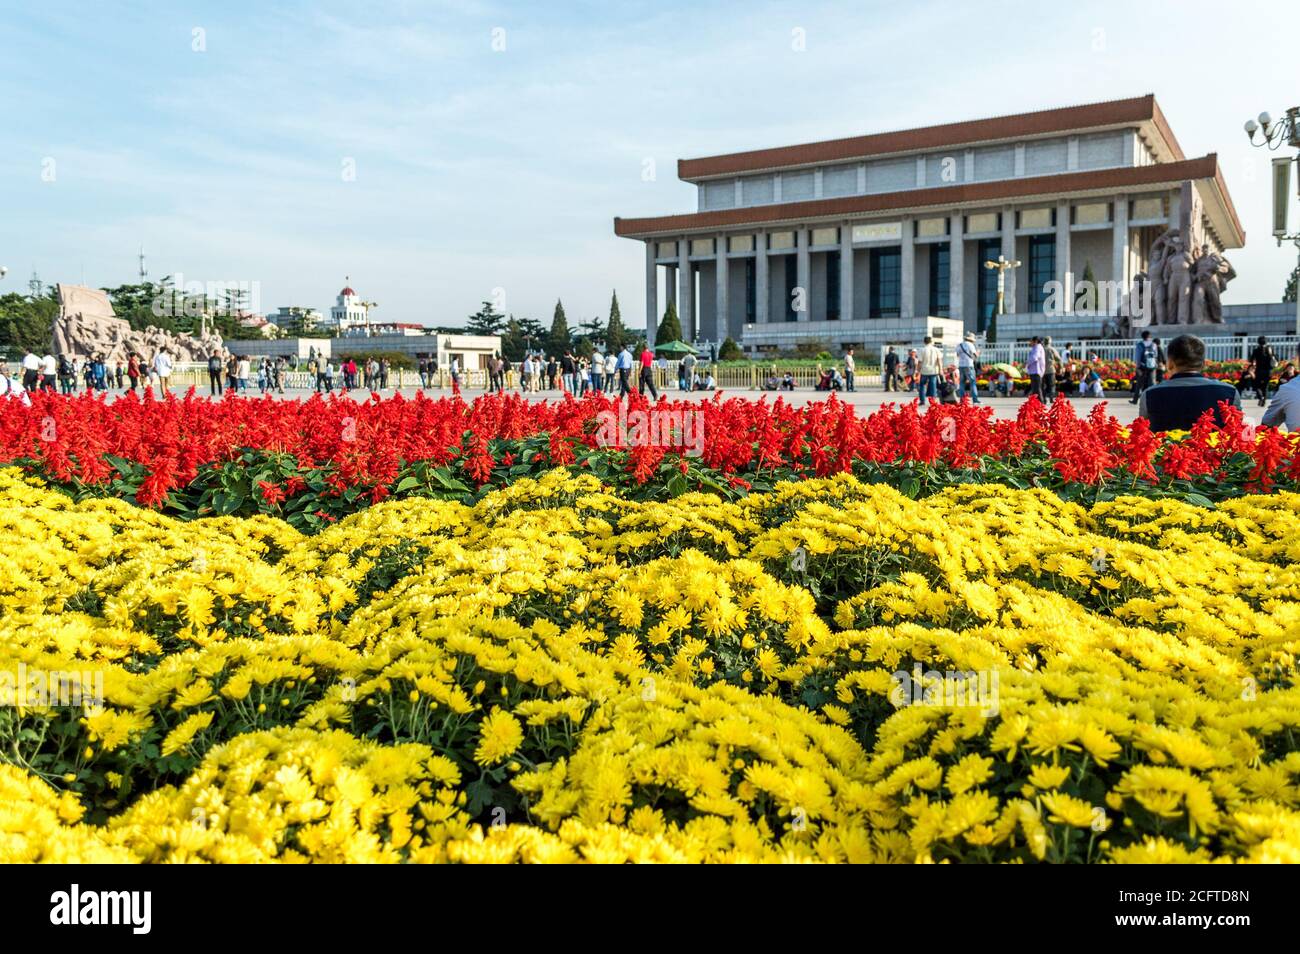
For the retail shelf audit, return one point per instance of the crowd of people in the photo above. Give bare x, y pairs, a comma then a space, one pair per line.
65, 374
1177, 370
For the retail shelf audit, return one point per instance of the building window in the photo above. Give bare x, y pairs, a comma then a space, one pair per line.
886, 282
940, 269
1042, 269
791, 283
832, 286
989, 250
751, 290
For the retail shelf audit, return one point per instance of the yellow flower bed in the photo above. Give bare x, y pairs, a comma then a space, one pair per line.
827, 672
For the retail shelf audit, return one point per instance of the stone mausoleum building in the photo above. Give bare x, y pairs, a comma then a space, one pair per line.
888, 233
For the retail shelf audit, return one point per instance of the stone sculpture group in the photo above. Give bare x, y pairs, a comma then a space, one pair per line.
86, 326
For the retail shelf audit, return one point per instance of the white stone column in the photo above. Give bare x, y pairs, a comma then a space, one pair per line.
907, 274
685, 289
803, 273
651, 292
956, 270
670, 287
762, 287
846, 271
1120, 258
722, 288
1009, 252
1064, 273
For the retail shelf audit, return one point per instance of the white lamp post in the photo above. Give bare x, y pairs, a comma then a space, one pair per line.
1271, 136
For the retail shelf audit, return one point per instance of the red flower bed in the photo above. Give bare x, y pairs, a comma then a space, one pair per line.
157, 451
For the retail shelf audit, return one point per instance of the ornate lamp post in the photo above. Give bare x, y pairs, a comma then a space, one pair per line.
1002, 264
1271, 136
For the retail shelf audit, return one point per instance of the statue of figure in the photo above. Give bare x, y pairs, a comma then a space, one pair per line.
1178, 282
1135, 306
1156, 271
1210, 275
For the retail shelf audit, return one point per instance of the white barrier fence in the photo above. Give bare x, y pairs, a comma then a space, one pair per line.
1216, 349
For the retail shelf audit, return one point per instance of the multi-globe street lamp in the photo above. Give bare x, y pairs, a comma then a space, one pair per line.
1001, 264
1272, 135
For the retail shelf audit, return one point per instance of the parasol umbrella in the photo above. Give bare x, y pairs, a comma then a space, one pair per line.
673, 347
1010, 370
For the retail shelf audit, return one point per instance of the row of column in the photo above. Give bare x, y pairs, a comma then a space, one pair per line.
680, 277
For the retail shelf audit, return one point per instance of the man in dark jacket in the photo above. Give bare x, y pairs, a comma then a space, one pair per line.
1175, 403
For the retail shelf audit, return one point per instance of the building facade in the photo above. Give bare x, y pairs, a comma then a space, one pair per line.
348, 311
868, 240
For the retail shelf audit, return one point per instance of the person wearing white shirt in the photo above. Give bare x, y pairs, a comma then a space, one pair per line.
242, 368
931, 368
1285, 406
967, 355
50, 372
31, 371
12, 388
849, 367
162, 366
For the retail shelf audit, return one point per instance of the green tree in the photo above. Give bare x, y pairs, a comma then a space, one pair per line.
592, 331
616, 333
1087, 299
27, 323
670, 329
559, 340
486, 321
534, 335
512, 341
1288, 294
730, 351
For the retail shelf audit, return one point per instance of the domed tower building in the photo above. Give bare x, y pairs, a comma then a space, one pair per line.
349, 310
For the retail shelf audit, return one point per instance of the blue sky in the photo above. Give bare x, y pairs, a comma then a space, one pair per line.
478, 168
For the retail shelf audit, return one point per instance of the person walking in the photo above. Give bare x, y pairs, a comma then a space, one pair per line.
849, 368
1263, 360
648, 372
50, 373
611, 369
1145, 360
1035, 365
968, 369
67, 375
133, 370
242, 369
597, 372
569, 369
689, 363
214, 375
931, 368
162, 366
31, 372
1051, 368
890, 367
624, 368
